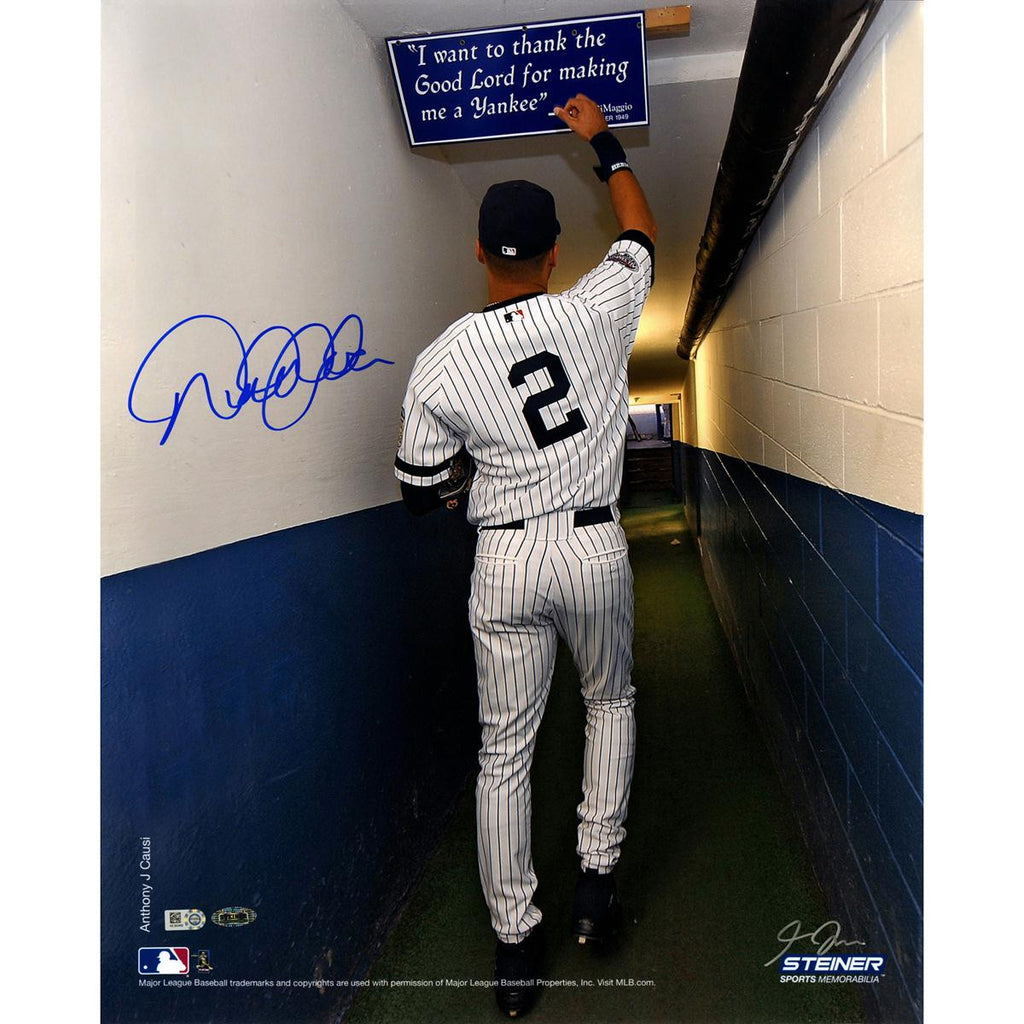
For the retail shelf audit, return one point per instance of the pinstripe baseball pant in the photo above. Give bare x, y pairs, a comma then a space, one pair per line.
529, 586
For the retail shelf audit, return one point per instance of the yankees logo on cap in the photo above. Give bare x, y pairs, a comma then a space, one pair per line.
517, 220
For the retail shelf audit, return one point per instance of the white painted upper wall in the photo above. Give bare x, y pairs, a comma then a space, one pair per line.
255, 169
814, 365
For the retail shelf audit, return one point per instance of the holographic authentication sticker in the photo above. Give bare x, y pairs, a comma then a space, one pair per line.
234, 917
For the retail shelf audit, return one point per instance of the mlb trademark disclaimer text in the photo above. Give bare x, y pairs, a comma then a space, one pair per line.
391, 983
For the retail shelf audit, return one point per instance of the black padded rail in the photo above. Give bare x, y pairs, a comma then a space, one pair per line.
796, 53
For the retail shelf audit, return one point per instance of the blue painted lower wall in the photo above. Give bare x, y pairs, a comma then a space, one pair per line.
821, 596
287, 720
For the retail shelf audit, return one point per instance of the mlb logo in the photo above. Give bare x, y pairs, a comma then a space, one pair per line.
163, 960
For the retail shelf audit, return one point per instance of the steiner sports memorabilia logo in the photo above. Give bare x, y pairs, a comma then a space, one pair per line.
183, 920
826, 963
847, 964
234, 917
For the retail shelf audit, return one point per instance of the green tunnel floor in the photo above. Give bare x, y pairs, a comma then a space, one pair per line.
712, 867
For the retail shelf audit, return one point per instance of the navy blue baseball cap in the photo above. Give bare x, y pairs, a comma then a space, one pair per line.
517, 220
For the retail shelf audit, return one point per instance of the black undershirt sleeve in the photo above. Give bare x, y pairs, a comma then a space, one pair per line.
420, 500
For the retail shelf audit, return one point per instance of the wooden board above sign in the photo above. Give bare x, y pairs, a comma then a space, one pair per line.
667, 22
504, 82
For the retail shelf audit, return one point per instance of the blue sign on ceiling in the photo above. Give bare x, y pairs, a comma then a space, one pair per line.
502, 82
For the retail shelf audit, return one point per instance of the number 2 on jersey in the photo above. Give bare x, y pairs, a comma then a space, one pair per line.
573, 423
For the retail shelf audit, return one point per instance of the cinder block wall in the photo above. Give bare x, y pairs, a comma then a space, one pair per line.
814, 364
805, 434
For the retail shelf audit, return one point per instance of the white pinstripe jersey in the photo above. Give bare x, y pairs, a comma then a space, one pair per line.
536, 391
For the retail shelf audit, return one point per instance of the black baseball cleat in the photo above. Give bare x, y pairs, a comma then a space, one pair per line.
516, 973
596, 910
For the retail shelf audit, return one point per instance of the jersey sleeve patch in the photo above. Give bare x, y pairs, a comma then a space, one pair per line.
623, 258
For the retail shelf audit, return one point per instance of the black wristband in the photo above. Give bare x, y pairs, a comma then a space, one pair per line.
611, 154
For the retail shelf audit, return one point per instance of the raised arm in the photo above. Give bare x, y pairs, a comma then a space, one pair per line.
629, 203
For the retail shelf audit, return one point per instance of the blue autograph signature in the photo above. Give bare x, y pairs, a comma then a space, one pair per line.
284, 378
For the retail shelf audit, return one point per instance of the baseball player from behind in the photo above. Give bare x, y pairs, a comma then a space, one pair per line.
532, 393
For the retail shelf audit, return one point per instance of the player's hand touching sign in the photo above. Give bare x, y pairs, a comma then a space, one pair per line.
583, 116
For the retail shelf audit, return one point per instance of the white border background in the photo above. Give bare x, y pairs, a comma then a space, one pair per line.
50, 424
